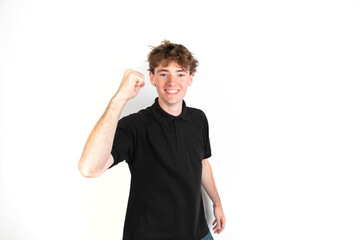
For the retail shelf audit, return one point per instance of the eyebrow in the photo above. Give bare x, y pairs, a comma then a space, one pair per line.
165, 70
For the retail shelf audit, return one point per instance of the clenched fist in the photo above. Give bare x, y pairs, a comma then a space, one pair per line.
131, 84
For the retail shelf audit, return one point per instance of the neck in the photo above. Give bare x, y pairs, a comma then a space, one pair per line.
173, 109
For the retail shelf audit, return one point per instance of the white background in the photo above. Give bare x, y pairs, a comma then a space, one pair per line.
278, 80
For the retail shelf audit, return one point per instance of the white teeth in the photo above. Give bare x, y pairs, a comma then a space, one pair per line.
172, 91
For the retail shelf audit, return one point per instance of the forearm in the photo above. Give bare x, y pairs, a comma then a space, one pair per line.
99, 143
208, 183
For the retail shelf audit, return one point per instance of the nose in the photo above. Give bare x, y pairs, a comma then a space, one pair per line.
172, 79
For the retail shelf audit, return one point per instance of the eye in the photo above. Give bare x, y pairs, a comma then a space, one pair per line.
163, 74
181, 75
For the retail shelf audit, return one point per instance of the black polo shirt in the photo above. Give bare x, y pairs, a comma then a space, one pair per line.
164, 154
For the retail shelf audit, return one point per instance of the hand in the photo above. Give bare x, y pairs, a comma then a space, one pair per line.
131, 84
219, 219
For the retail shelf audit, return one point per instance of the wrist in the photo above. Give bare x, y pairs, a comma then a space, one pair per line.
116, 105
118, 99
217, 205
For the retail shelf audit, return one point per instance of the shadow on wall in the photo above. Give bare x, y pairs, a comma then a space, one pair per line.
208, 209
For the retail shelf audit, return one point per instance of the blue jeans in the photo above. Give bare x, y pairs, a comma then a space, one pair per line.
208, 237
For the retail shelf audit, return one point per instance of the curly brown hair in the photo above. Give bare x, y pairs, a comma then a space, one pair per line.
168, 52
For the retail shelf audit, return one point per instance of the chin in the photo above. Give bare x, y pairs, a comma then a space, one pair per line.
171, 101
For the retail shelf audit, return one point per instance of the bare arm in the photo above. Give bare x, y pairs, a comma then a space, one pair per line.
96, 157
208, 183
96, 154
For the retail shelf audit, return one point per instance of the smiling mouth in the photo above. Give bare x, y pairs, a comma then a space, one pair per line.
172, 91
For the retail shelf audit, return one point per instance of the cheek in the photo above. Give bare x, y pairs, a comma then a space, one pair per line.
186, 84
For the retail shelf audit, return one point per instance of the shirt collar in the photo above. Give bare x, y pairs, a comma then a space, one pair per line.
165, 117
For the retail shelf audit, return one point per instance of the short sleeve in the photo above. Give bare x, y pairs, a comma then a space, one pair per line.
207, 147
124, 141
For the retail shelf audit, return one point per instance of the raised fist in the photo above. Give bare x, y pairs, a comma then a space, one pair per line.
131, 84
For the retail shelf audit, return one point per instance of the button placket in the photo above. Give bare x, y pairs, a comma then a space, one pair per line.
178, 134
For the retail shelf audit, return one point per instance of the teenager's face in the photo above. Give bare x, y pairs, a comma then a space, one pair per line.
171, 83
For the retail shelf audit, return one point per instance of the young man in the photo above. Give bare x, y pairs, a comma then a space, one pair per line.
166, 147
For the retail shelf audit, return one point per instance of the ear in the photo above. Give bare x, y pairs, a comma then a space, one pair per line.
151, 75
191, 79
